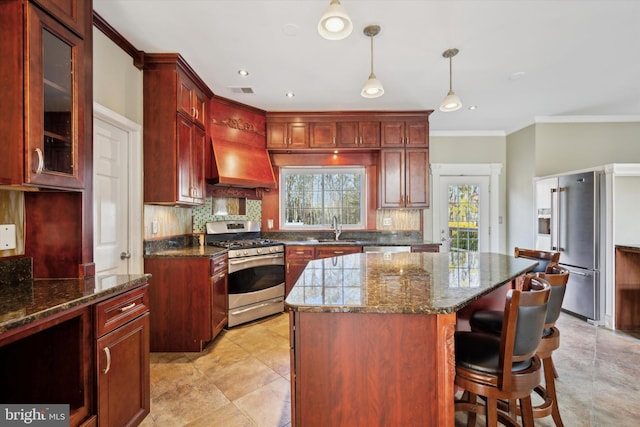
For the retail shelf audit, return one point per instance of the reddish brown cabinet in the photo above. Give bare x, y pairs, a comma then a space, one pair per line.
188, 301
174, 131
296, 259
362, 134
405, 133
336, 250
46, 98
219, 293
404, 178
323, 134
122, 358
287, 135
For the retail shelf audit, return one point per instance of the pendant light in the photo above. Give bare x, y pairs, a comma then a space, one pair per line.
452, 101
335, 24
372, 87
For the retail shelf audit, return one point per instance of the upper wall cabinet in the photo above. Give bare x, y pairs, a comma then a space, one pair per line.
174, 131
45, 79
360, 134
287, 135
405, 132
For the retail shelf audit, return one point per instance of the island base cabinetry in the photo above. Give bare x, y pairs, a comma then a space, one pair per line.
372, 369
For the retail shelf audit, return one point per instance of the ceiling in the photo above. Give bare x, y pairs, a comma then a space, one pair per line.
519, 61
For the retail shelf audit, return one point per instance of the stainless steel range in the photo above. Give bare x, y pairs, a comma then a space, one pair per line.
256, 270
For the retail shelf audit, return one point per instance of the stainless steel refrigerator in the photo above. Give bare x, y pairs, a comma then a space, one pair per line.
569, 211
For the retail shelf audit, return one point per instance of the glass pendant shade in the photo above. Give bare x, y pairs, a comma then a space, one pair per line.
372, 88
451, 102
335, 24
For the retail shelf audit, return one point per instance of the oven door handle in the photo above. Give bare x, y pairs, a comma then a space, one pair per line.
254, 258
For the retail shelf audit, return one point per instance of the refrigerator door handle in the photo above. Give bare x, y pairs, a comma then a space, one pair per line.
559, 219
578, 273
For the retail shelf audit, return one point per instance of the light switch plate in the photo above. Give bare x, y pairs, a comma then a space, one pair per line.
7, 236
386, 222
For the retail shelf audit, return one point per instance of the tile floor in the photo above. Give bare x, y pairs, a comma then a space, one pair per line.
242, 379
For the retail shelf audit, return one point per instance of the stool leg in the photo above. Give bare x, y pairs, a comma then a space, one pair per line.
550, 385
526, 409
492, 412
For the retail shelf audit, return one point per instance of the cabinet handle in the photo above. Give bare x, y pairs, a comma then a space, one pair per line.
127, 307
197, 113
338, 252
219, 276
40, 160
360, 140
334, 140
108, 353
288, 268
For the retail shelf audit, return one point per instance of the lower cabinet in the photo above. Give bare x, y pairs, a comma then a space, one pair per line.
297, 258
188, 301
122, 359
429, 248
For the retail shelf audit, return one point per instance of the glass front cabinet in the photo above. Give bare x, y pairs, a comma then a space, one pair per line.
46, 101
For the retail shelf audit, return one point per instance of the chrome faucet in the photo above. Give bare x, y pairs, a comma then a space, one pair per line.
336, 228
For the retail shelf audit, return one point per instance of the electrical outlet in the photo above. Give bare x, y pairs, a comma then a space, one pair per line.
7, 236
386, 222
154, 227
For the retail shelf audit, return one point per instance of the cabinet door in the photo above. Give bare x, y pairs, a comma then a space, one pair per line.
197, 165
322, 135
297, 258
71, 13
219, 303
190, 146
298, 135
185, 136
392, 178
392, 134
417, 133
276, 135
55, 111
369, 134
417, 178
347, 134
123, 374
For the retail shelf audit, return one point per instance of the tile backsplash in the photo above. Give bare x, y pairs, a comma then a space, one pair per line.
203, 214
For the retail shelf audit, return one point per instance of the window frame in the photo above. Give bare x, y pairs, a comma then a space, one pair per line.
323, 170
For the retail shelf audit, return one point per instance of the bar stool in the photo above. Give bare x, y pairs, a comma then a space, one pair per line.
490, 321
543, 257
504, 367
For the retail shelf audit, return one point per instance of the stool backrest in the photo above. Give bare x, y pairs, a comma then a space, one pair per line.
524, 315
557, 276
544, 257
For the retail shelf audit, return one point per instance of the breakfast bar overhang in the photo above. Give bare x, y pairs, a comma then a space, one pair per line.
372, 334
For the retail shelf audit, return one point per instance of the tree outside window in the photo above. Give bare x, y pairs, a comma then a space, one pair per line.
311, 197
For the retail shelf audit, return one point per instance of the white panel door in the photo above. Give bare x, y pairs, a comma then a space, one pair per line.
111, 198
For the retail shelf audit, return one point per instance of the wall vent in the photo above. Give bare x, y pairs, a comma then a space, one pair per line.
241, 89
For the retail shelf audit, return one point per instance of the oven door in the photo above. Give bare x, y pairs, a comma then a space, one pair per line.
255, 273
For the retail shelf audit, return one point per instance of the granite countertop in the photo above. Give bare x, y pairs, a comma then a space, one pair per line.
26, 302
429, 283
361, 242
190, 251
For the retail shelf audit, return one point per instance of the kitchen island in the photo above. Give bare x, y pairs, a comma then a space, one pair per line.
372, 334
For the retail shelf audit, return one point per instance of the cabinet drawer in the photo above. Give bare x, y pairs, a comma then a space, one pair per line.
119, 310
218, 264
300, 252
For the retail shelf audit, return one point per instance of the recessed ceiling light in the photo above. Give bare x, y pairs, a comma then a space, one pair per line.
517, 75
473, 107
290, 29
289, 94
243, 72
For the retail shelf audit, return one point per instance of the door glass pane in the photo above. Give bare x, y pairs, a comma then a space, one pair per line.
58, 102
463, 217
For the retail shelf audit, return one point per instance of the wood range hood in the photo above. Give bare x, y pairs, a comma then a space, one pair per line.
235, 164
236, 151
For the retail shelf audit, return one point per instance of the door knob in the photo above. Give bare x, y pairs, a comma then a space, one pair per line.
125, 255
